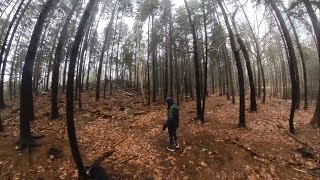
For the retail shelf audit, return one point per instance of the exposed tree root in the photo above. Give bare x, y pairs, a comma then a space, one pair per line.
100, 159
55, 117
298, 140
26, 143
38, 136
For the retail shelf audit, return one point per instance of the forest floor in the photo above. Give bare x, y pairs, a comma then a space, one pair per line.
216, 149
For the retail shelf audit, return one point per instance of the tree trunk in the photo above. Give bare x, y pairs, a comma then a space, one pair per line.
70, 88
57, 62
253, 103
3, 52
206, 61
291, 61
7, 21
118, 46
305, 81
65, 68
50, 58
226, 72
242, 123
13, 64
315, 121
148, 58
196, 62
166, 66
154, 76
111, 57
104, 48
26, 97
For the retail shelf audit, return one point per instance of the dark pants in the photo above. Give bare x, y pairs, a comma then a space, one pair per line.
172, 135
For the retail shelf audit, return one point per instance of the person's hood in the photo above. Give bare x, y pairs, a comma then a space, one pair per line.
169, 101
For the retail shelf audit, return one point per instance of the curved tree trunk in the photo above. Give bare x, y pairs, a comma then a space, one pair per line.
57, 62
4, 52
316, 26
26, 97
258, 56
104, 48
4, 27
305, 79
13, 64
242, 122
292, 60
253, 103
5, 9
70, 90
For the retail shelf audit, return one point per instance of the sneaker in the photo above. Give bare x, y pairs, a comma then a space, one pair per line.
177, 145
171, 148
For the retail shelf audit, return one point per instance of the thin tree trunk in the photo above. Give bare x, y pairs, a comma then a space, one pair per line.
105, 47
242, 123
51, 57
65, 68
4, 27
205, 63
196, 62
154, 77
118, 46
111, 57
13, 64
253, 103
296, 65
5, 53
57, 62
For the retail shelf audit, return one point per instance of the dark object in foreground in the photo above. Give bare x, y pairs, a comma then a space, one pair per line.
315, 171
55, 153
97, 172
306, 152
1, 125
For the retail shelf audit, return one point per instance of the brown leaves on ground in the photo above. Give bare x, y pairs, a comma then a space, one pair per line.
213, 150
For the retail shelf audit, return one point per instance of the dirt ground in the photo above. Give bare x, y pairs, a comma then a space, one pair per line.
216, 149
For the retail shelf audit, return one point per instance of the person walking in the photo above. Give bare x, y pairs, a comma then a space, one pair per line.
172, 123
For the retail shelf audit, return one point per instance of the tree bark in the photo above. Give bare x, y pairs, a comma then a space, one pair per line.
4, 54
70, 88
154, 76
57, 62
205, 65
13, 64
253, 103
315, 121
305, 79
291, 61
242, 123
196, 62
104, 48
26, 97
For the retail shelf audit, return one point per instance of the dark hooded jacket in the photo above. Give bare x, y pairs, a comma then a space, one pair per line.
173, 115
